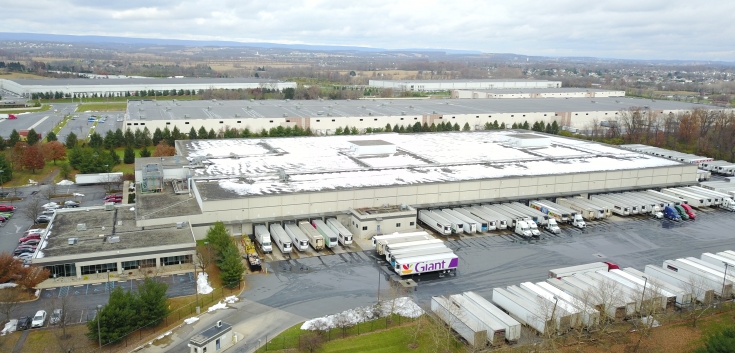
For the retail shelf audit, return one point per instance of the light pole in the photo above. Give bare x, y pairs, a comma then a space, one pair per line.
196, 287
99, 317
378, 284
724, 279
644, 292
1, 181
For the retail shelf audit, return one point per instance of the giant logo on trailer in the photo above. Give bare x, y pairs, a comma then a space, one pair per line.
421, 267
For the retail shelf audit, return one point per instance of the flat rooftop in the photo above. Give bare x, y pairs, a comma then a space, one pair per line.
100, 225
263, 109
242, 167
165, 204
135, 81
468, 80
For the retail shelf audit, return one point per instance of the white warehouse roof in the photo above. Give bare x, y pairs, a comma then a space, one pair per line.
234, 168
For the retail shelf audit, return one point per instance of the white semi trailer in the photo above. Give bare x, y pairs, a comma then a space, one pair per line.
525, 311
484, 225
711, 280
457, 224
512, 326
537, 216
500, 221
282, 240
435, 222
495, 329
620, 211
263, 237
692, 200
682, 297
467, 327
330, 237
677, 201
690, 284
299, 240
470, 225
344, 235
582, 208
316, 240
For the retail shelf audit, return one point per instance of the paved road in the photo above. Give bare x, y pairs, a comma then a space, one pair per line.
313, 287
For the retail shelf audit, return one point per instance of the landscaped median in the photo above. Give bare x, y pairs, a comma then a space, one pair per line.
102, 107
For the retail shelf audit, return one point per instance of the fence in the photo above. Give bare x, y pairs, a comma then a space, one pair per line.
296, 341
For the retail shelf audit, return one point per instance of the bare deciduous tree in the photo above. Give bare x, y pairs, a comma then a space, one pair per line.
32, 209
9, 301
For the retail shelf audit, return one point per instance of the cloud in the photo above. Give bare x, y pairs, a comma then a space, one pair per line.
652, 29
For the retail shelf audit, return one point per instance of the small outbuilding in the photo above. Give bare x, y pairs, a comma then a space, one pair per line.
214, 339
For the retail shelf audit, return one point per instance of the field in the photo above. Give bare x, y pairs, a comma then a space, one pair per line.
43, 108
49, 340
19, 75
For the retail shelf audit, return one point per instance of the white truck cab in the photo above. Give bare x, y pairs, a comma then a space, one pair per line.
523, 229
534, 228
551, 226
656, 212
578, 221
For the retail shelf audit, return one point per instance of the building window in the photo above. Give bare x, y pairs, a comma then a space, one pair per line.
586, 113
376, 119
186, 123
576, 114
452, 117
524, 115
63, 270
142, 123
605, 113
489, 116
288, 121
401, 118
364, 228
441, 117
360, 119
271, 121
101, 268
222, 122
136, 124
130, 265
217, 344
544, 114
148, 263
332, 120
478, 117
130, 124
204, 350
412, 223
511, 115
168, 123
317, 120
175, 260
398, 225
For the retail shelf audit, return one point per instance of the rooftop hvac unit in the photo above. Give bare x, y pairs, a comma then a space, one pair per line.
237, 115
109, 206
112, 240
252, 100
285, 115
329, 114
72, 241
288, 100
249, 107
142, 117
209, 107
370, 113
319, 112
219, 323
180, 225
81, 227
403, 113
186, 115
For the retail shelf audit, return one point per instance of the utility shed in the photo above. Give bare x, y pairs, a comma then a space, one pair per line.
364, 147
528, 140
214, 339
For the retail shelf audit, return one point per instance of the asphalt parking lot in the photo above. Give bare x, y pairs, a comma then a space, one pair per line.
43, 122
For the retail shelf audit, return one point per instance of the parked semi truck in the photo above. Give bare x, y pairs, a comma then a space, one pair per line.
316, 240
418, 253
457, 225
692, 200
282, 240
330, 238
502, 219
517, 216
590, 267
572, 216
263, 238
583, 209
726, 202
391, 248
544, 207
470, 224
444, 263
484, 225
344, 236
382, 242
537, 216
299, 240
435, 222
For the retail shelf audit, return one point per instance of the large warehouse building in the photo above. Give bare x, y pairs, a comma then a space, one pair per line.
118, 87
325, 116
248, 181
508, 93
447, 85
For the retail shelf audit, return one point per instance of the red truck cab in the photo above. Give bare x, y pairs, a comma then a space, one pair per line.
611, 266
690, 211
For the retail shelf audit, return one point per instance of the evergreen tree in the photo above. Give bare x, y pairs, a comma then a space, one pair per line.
456, 127
147, 137
722, 341
144, 152
488, 126
152, 302
71, 140
555, 128
114, 159
354, 131
95, 140
157, 136
192, 134
116, 319
338, 131
5, 166
548, 128
245, 133
432, 128
119, 138
3, 144
129, 137
495, 125
129, 156
346, 130
396, 128
514, 126
425, 127
297, 131
32, 137
263, 133
212, 135
525, 125
502, 126
388, 128
416, 127
402, 129
166, 136
109, 141
466, 127
202, 133
175, 135
231, 268
307, 131
51, 136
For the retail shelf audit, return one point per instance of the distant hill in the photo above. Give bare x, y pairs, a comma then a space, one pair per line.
65, 38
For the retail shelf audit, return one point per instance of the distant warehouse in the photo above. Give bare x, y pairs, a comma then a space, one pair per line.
515, 93
447, 85
119, 87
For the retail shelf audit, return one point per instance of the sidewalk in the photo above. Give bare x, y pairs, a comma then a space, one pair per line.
114, 277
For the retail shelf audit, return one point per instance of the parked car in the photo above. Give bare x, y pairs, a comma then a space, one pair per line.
116, 196
35, 231
48, 212
24, 323
26, 256
51, 206
17, 252
6, 214
71, 203
31, 242
43, 219
40, 319
6, 208
30, 237
3, 219
55, 317
27, 246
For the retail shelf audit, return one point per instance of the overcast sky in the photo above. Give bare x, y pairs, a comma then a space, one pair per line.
630, 29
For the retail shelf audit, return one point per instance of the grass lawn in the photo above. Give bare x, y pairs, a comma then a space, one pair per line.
102, 107
7, 342
117, 99
11, 75
61, 124
43, 108
49, 340
20, 178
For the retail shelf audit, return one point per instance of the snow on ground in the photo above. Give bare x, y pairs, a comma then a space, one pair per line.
132, 208
9, 327
203, 286
231, 299
163, 335
191, 320
65, 182
8, 285
78, 194
401, 306
220, 305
